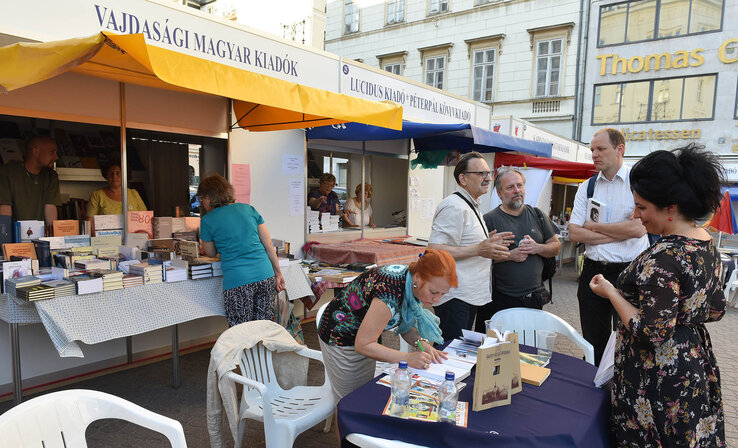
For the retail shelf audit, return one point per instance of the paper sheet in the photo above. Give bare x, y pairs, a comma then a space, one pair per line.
292, 165
428, 207
297, 197
241, 181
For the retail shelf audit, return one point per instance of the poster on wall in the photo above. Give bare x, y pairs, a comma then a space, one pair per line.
292, 165
241, 180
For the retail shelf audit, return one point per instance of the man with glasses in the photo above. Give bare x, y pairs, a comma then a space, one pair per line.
458, 228
517, 280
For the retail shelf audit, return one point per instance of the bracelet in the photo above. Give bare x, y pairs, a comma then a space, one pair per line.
419, 340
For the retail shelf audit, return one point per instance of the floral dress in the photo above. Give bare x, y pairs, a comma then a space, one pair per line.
667, 384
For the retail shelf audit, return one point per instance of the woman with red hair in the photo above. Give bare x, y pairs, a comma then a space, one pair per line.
378, 300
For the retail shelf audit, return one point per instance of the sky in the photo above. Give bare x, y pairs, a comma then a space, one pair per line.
271, 15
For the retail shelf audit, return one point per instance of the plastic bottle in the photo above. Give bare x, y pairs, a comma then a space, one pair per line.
400, 391
447, 400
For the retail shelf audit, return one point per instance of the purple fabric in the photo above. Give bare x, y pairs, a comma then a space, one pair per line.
566, 411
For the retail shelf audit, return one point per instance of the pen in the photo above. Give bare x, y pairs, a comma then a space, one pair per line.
420, 346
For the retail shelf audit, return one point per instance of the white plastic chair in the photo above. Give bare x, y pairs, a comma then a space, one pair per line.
525, 321
731, 286
285, 413
59, 419
404, 346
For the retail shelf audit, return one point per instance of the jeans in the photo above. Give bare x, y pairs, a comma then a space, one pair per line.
455, 315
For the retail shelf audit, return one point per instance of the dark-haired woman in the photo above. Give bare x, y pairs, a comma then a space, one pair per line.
109, 200
667, 383
380, 299
251, 274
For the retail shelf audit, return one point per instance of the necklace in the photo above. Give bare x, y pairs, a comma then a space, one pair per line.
34, 178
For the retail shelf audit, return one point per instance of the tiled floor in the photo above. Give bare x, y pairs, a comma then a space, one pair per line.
149, 386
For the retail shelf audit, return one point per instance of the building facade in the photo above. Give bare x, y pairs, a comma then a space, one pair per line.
519, 57
665, 73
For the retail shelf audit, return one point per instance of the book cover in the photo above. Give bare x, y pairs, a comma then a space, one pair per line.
139, 240
493, 376
77, 240
178, 225
163, 227
189, 250
64, 227
26, 249
15, 269
6, 229
43, 253
111, 232
55, 242
534, 375
426, 409
141, 222
105, 241
108, 222
595, 210
28, 230
189, 236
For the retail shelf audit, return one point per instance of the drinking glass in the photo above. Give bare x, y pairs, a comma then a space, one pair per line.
545, 341
495, 325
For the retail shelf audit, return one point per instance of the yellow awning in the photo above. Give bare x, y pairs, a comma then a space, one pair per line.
261, 103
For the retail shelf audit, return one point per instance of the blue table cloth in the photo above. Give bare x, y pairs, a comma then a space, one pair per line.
566, 411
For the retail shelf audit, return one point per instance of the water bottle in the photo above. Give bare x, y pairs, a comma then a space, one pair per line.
447, 398
400, 391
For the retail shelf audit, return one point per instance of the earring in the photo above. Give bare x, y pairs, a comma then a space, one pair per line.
671, 219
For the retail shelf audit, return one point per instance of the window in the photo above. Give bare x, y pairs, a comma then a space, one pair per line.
483, 69
438, 6
395, 11
350, 16
675, 99
434, 69
643, 20
548, 67
395, 68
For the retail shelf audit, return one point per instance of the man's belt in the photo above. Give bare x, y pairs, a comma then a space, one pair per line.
607, 265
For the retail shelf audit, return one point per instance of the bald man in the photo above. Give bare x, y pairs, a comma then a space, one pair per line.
30, 190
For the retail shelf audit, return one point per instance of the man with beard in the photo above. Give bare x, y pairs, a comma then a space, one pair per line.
517, 279
459, 230
30, 190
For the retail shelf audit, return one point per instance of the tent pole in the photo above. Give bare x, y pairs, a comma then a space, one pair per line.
363, 177
123, 161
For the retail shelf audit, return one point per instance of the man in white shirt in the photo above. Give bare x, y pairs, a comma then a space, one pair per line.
613, 242
458, 229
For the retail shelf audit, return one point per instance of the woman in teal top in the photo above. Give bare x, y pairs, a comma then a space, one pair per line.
251, 274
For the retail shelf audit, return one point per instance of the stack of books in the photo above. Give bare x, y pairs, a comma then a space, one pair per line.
175, 273
328, 222
112, 280
13, 283
87, 284
217, 269
35, 292
62, 288
200, 270
92, 263
132, 280
150, 273
313, 219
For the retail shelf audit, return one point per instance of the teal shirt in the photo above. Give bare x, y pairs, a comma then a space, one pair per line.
234, 230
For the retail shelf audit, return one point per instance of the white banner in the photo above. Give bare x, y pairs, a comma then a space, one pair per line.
193, 33
418, 103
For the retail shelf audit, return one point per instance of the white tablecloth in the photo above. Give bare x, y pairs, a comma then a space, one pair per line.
95, 318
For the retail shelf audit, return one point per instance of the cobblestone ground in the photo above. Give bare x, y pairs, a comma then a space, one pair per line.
149, 386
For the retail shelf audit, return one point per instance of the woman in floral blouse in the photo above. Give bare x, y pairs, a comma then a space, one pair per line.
381, 299
667, 383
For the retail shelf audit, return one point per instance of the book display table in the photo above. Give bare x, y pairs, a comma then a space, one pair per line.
365, 251
566, 410
95, 318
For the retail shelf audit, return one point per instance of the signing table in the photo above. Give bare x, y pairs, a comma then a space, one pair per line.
95, 318
566, 411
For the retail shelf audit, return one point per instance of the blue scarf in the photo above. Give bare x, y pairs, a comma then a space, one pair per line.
412, 314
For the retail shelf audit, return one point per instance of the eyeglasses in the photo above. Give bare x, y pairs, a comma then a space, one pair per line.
481, 173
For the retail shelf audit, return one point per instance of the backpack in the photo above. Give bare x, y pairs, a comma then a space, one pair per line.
549, 263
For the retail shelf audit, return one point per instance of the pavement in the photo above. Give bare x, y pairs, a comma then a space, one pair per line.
150, 385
